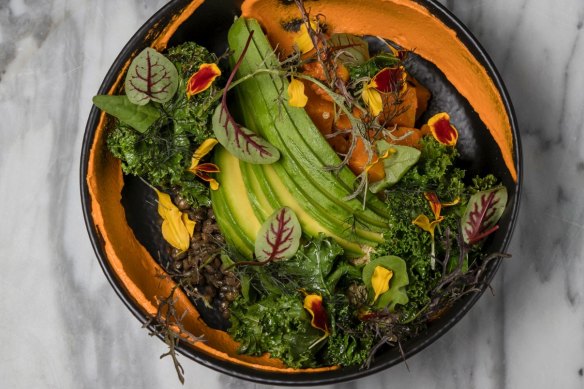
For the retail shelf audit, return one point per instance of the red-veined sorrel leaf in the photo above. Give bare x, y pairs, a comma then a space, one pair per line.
279, 236
349, 48
482, 213
151, 77
242, 142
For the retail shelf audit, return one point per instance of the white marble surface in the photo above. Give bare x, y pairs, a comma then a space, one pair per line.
62, 325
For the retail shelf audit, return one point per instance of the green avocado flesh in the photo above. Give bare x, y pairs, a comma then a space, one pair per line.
248, 194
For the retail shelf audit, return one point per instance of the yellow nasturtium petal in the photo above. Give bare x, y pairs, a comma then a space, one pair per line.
175, 232
204, 149
303, 40
296, 96
177, 228
372, 98
189, 224
380, 281
424, 223
165, 204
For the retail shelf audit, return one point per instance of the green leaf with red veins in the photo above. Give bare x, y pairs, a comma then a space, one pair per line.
242, 142
482, 213
279, 237
151, 77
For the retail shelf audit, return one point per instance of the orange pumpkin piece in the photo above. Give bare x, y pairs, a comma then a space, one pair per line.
423, 95
404, 112
359, 161
412, 139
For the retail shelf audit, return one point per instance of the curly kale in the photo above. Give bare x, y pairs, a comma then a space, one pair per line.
435, 172
348, 343
162, 154
276, 324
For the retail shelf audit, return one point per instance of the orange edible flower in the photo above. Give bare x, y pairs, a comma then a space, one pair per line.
296, 96
313, 304
202, 79
202, 171
442, 130
387, 80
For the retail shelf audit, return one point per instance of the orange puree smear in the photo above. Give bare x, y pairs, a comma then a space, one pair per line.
413, 27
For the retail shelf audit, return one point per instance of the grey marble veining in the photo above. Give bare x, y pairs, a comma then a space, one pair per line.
64, 327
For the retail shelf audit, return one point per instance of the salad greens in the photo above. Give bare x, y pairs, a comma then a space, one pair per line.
162, 153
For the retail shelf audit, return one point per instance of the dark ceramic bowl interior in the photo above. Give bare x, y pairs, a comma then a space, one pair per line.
208, 26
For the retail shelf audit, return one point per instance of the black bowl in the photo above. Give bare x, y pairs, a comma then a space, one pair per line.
208, 26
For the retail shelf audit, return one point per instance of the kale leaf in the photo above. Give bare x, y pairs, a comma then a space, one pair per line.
316, 267
349, 343
278, 325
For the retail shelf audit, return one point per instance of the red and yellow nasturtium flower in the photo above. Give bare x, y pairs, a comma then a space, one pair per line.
387, 80
314, 305
380, 281
425, 224
442, 130
201, 80
296, 96
203, 170
177, 228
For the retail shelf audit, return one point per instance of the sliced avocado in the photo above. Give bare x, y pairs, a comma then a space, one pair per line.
309, 224
259, 96
231, 204
264, 193
297, 179
260, 203
229, 226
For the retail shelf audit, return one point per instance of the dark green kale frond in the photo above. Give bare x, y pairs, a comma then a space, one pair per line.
276, 324
349, 342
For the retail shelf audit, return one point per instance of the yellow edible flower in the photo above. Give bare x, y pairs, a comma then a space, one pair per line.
387, 80
296, 96
380, 281
372, 98
425, 224
202, 171
177, 228
303, 40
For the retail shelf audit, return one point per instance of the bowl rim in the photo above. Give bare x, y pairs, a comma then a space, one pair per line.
295, 379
